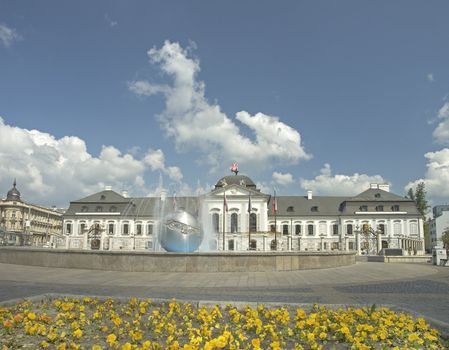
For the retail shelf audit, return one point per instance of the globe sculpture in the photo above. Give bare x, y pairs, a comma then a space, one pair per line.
180, 232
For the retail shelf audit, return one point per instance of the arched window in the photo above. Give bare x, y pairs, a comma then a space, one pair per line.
139, 229
82, 228
335, 229
99, 209
216, 222
397, 228
382, 229
126, 229
110, 228
253, 244
297, 229
413, 228
253, 222
310, 229
285, 229
349, 229
68, 228
150, 229
234, 222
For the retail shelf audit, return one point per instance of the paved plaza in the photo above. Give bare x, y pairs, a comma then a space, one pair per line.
418, 288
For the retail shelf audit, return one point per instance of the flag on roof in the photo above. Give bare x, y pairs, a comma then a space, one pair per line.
275, 204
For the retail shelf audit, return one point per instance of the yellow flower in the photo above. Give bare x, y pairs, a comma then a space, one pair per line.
78, 333
44, 344
256, 343
97, 347
62, 346
111, 338
126, 346
413, 337
323, 335
31, 316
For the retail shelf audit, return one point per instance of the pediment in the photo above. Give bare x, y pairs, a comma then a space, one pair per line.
236, 191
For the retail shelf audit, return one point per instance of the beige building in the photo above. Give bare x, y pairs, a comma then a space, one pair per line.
23, 223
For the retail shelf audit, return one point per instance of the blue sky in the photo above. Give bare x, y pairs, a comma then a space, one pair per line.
322, 95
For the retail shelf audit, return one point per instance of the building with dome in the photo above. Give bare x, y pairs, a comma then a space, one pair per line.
23, 223
237, 216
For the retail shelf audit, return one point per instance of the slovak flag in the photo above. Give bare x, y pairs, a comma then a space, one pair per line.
275, 204
235, 168
225, 203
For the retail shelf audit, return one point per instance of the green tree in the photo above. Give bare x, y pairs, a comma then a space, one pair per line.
419, 197
445, 239
410, 194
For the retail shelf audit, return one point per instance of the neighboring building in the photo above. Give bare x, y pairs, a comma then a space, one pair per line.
22, 223
372, 220
438, 224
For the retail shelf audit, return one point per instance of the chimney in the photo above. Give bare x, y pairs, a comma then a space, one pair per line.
125, 194
384, 187
373, 186
108, 188
309, 194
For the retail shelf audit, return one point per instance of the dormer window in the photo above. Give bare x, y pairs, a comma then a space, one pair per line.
290, 209
380, 208
99, 209
377, 195
314, 208
395, 208
113, 209
84, 208
363, 208
103, 197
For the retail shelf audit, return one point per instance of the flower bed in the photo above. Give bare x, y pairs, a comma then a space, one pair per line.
89, 323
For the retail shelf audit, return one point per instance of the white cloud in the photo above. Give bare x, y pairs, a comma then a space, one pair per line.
441, 132
55, 171
437, 175
430, 77
196, 124
156, 160
282, 179
339, 185
8, 35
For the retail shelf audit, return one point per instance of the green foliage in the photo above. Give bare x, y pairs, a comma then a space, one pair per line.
419, 196
445, 238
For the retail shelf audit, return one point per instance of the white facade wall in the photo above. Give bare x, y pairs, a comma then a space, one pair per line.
437, 227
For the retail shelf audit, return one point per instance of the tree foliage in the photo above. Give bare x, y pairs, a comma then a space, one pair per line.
445, 238
419, 196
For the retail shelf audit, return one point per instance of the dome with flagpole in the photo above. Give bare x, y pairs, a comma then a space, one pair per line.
13, 194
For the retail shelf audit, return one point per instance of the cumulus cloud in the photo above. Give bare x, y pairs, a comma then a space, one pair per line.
194, 123
55, 171
430, 77
282, 179
339, 185
8, 35
156, 160
441, 132
437, 175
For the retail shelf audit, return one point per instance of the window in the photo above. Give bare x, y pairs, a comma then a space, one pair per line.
382, 229
99, 209
273, 228
349, 229
310, 229
126, 229
379, 208
82, 228
290, 209
397, 228
231, 244
377, 195
285, 229
314, 208
363, 208
215, 222
150, 229
84, 208
234, 222
413, 228
253, 244
110, 228
351, 245
68, 228
103, 197
395, 208
322, 228
335, 229
325, 246
297, 229
365, 228
139, 229
334, 246
253, 222
113, 209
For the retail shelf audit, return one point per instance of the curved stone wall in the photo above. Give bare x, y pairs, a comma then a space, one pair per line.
175, 262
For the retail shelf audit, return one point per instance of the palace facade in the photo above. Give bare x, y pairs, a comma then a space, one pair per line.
23, 223
237, 216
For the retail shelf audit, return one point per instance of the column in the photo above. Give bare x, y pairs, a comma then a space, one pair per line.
264, 242
379, 243
357, 242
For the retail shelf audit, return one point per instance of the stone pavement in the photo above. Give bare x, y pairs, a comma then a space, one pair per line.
418, 288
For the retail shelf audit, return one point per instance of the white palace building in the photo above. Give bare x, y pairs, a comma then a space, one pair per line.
367, 223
